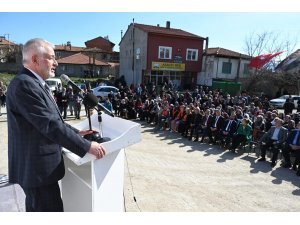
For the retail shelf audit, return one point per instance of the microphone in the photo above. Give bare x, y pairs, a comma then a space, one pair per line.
67, 80
92, 101
89, 99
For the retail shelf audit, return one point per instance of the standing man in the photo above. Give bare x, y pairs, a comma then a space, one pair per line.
36, 131
3, 90
289, 106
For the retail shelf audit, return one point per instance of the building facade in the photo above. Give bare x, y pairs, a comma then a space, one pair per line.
65, 50
82, 65
97, 59
224, 64
154, 54
10, 56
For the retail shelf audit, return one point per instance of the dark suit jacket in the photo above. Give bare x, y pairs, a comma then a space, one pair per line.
219, 122
36, 132
291, 137
206, 119
232, 128
282, 135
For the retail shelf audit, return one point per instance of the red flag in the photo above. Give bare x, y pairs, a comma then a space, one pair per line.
258, 61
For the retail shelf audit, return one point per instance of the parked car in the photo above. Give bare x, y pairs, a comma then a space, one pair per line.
103, 91
279, 102
53, 83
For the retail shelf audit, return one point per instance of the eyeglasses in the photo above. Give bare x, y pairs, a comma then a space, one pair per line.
50, 57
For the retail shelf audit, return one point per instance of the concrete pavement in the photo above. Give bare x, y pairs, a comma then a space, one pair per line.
169, 173
166, 172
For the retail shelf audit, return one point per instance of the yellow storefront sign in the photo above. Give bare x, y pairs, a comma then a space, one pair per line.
168, 66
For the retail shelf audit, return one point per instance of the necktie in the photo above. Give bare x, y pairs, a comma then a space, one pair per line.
296, 138
48, 89
216, 121
52, 98
206, 121
228, 125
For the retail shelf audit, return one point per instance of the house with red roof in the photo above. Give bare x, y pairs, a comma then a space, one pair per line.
66, 50
8, 50
97, 59
80, 65
155, 54
223, 64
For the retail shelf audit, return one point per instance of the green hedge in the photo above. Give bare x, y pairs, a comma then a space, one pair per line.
6, 77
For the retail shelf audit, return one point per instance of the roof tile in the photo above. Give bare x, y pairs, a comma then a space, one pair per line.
80, 59
226, 53
68, 48
166, 31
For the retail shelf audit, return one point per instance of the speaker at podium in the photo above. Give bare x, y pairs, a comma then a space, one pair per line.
92, 185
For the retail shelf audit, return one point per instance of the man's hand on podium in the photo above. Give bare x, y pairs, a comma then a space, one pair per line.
97, 150
84, 132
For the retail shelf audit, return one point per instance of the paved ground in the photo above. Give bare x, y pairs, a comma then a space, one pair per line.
165, 172
169, 173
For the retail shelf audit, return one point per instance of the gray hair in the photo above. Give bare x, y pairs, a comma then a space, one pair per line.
34, 46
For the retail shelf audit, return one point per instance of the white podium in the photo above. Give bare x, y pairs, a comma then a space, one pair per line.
92, 185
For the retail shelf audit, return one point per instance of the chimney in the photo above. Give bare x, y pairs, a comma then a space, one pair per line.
168, 25
69, 44
206, 44
157, 25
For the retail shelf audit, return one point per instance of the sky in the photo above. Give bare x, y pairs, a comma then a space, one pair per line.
225, 22
224, 29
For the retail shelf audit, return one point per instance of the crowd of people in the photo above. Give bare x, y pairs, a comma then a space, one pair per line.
218, 117
3, 90
222, 119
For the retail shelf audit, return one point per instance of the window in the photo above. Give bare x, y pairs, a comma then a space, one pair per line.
226, 67
246, 68
58, 55
64, 68
192, 54
165, 52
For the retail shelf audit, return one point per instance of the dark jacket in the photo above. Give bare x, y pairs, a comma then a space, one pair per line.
36, 132
282, 135
231, 129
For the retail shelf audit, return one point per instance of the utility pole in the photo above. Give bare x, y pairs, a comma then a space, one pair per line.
8, 41
133, 51
238, 69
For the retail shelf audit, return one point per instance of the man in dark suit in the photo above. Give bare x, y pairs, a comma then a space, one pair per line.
36, 131
292, 145
273, 139
215, 126
205, 121
228, 130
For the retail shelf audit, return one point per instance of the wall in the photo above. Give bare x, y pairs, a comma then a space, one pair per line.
213, 69
78, 70
126, 55
179, 46
100, 43
62, 54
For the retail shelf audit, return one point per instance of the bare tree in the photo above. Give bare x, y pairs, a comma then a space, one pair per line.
270, 42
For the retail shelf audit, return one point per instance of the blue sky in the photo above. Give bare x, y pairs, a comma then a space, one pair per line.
225, 29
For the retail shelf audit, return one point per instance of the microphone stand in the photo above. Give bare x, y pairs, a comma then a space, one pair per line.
103, 139
95, 136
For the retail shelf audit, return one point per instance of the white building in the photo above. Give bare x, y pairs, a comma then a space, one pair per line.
220, 63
